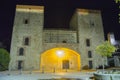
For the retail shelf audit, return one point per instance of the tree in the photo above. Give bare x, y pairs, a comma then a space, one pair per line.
105, 50
4, 59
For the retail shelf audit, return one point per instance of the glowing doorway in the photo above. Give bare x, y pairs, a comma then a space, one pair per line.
60, 59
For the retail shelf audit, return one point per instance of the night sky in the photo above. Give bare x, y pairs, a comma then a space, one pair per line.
58, 14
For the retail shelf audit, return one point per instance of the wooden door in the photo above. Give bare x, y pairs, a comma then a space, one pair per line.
65, 64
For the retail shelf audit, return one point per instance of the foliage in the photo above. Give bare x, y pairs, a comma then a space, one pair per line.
105, 49
4, 59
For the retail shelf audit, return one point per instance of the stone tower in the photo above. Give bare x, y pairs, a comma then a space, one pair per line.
88, 24
27, 34
37, 48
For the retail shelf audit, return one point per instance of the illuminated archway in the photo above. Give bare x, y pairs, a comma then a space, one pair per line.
60, 59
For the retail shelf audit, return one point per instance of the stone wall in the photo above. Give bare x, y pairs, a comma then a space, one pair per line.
28, 23
89, 27
60, 36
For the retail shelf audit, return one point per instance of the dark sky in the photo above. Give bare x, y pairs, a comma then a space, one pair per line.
58, 14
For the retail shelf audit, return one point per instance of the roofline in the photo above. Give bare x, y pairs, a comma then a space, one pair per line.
30, 8
88, 10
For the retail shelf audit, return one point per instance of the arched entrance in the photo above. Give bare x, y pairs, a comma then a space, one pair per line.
59, 59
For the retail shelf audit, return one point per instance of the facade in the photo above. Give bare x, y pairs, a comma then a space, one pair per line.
37, 48
114, 61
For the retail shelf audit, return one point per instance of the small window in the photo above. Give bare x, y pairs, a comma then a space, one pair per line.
20, 64
64, 41
89, 54
91, 23
26, 21
21, 52
26, 41
88, 42
90, 64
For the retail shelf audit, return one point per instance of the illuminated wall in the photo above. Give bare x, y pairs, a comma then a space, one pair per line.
60, 36
54, 58
28, 23
89, 25
33, 47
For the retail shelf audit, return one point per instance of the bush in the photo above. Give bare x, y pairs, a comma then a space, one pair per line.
4, 59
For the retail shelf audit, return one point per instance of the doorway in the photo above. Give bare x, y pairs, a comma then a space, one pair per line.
57, 59
20, 64
65, 64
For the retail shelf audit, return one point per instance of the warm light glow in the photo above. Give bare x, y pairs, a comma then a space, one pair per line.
27, 8
83, 11
60, 53
54, 59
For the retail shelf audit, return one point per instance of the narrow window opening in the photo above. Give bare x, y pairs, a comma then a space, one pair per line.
88, 42
89, 54
20, 64
90, 64
26, 21
26, 42
21, 51
92, 24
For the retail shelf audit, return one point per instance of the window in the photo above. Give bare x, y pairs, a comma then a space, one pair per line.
21, 51
89, 54
88, 42
90, 64
20, 64
91, 23
26, 41
26, 21
64, 41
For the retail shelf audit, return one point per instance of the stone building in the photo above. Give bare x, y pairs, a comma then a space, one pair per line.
114, 61
37, 48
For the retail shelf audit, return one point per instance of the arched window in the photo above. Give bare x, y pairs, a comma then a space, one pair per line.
26, 42
21, 51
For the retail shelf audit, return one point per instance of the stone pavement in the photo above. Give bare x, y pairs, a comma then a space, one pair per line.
26, 75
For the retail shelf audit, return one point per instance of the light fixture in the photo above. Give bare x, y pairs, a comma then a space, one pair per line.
60, 53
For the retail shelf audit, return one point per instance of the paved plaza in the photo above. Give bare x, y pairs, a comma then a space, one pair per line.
27, 75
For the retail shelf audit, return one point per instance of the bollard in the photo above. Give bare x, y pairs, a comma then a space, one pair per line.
54, 70
42, 69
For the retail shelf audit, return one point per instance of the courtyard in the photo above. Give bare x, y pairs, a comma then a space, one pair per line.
28, 75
